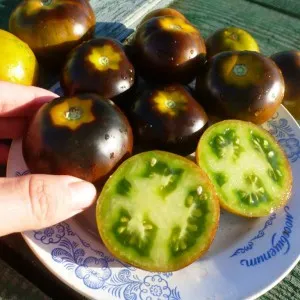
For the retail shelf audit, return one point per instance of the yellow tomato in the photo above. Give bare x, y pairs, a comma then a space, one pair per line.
230, 39
18, 63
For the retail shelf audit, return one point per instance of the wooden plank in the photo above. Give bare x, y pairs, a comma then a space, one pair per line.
118, 18
274, 30
115, 18
289, 7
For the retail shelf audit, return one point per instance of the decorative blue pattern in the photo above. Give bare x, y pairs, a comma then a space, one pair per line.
280, 128
95, 271
259, 235
283, 132
279, 243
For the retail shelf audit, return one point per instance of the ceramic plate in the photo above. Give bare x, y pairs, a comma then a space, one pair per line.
247, 257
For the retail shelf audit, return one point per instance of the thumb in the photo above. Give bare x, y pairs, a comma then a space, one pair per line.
38, 201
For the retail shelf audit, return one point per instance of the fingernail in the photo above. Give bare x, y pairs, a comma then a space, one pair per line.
83, 194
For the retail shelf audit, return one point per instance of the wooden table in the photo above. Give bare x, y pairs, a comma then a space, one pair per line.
276, 26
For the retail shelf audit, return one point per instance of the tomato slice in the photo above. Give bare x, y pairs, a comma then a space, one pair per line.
249, 169
158, 211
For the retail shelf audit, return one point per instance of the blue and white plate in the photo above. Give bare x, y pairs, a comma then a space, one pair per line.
246, 259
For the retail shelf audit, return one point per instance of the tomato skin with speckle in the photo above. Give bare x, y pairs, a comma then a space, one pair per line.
168, 49
85, 136
53, 28
168, 118
98, 66
243, 85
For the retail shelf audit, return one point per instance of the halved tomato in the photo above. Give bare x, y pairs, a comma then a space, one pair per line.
249, 169
158, 211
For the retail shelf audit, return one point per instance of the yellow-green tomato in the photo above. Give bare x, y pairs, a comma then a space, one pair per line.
230, 39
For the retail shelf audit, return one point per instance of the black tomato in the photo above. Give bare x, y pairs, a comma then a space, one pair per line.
52, 28
83, 136
244, 85
168, 118
98, 66
289, 64
168, 49
161, 12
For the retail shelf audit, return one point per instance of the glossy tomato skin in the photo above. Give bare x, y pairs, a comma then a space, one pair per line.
98, 66
244, 85
168, 49
89, 147
53, 27
167, 118
161, 12
289, 64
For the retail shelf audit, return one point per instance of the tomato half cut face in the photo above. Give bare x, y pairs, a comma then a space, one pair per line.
158, 212
249, 169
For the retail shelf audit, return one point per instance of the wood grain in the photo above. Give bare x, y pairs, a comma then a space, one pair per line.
275, 31
289, 7
118, 18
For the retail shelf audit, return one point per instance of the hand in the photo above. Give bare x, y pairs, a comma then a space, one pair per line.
34, 201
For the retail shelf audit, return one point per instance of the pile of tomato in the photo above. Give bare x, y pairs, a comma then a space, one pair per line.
132, 112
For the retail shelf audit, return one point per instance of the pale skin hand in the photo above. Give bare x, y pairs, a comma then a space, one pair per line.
34, 201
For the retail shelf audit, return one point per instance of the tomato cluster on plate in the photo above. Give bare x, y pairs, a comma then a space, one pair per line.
131, 114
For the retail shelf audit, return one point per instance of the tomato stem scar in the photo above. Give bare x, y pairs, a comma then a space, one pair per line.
104, 61
240, 70
74, 113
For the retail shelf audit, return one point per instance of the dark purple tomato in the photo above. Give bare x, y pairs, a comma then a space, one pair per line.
289, 64
244, 85
98, 66
168, 118
52, 28
161, 12
84, 136
168, 49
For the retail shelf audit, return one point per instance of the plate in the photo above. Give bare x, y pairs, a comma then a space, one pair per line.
263, 250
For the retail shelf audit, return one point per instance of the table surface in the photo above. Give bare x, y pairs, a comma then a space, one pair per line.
275, 24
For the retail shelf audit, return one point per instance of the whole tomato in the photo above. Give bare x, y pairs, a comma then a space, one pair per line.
52, 28
84, 136
168, 49
99, 66
242, 85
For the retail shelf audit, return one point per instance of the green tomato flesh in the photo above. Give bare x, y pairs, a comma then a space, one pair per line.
251, 173
158, 211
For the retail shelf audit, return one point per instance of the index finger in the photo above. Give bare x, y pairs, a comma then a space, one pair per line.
21, 101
